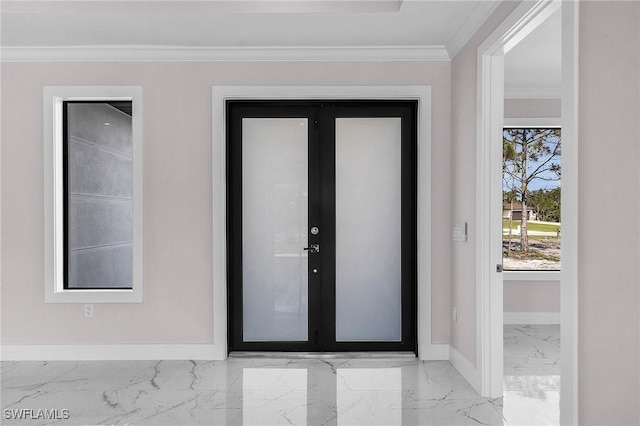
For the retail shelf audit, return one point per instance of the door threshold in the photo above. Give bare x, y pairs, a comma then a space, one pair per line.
322, 355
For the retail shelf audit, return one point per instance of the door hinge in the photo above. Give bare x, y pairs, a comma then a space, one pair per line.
499, 267
316, 337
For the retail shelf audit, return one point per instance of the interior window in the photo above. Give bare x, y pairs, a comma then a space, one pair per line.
98, 195
93, 203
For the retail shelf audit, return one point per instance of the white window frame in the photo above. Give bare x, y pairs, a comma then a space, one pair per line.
532, 122
54, 96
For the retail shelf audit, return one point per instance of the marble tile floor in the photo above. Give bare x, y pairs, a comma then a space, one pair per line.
531, 374
241, 391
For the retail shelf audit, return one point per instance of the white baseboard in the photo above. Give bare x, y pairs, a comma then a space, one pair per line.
465, 368
434, 352
532, 317
107, 352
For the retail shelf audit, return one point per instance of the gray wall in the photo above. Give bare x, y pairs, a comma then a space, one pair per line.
609, 277
178, 304
100, 191
532, 296
532, 108
463, 177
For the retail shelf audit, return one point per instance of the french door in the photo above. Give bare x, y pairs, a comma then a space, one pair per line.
322, 225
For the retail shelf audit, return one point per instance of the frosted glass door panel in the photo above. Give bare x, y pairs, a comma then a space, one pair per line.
368, 225
274, 226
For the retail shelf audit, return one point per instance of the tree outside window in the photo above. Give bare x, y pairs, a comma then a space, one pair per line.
531, 222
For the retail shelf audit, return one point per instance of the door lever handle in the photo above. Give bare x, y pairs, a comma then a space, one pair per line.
313, 248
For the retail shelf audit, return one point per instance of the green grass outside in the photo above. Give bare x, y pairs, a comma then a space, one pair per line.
531, 226
531, 237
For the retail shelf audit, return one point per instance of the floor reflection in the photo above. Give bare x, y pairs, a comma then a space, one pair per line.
532, 374
369, 396
275, 396
364, 396
532, 400
353, 392
399, 391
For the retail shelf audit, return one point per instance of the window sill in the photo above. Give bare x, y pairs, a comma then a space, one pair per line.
531, 275
94, 296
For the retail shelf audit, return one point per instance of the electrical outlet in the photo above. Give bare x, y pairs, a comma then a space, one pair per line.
454, 314
88, 311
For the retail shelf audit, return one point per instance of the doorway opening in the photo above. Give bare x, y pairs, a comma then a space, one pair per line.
322, 225
522, 21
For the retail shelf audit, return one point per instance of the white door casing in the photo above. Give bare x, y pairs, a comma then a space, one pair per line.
426, 350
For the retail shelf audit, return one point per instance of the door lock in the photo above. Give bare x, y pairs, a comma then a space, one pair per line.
313, 248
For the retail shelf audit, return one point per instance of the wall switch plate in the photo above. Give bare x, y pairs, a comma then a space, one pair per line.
460, 232
454, 314
88, 311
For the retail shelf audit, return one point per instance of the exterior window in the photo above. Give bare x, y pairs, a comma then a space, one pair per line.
93, 189
531, 222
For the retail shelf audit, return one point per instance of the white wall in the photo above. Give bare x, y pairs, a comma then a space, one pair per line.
178, 305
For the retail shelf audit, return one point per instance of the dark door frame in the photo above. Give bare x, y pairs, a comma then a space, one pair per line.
322, 114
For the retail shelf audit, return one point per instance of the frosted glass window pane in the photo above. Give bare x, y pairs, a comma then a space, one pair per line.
99, 163
274, 396
369, 396
368, 274
274, 226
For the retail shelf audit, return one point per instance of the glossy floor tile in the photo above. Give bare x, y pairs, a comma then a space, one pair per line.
247, 391
242, 391
531, 349
532, 374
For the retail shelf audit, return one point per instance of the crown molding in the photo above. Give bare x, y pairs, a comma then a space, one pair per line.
219, 54
532, 92
469, 27
205, 6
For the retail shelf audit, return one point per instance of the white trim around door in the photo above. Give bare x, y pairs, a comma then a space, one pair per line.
426, 350
489, 307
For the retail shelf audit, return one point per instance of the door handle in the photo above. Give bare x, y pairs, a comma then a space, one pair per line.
313, 248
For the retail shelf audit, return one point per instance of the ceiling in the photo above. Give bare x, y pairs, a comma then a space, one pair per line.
441, 26
359, 23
